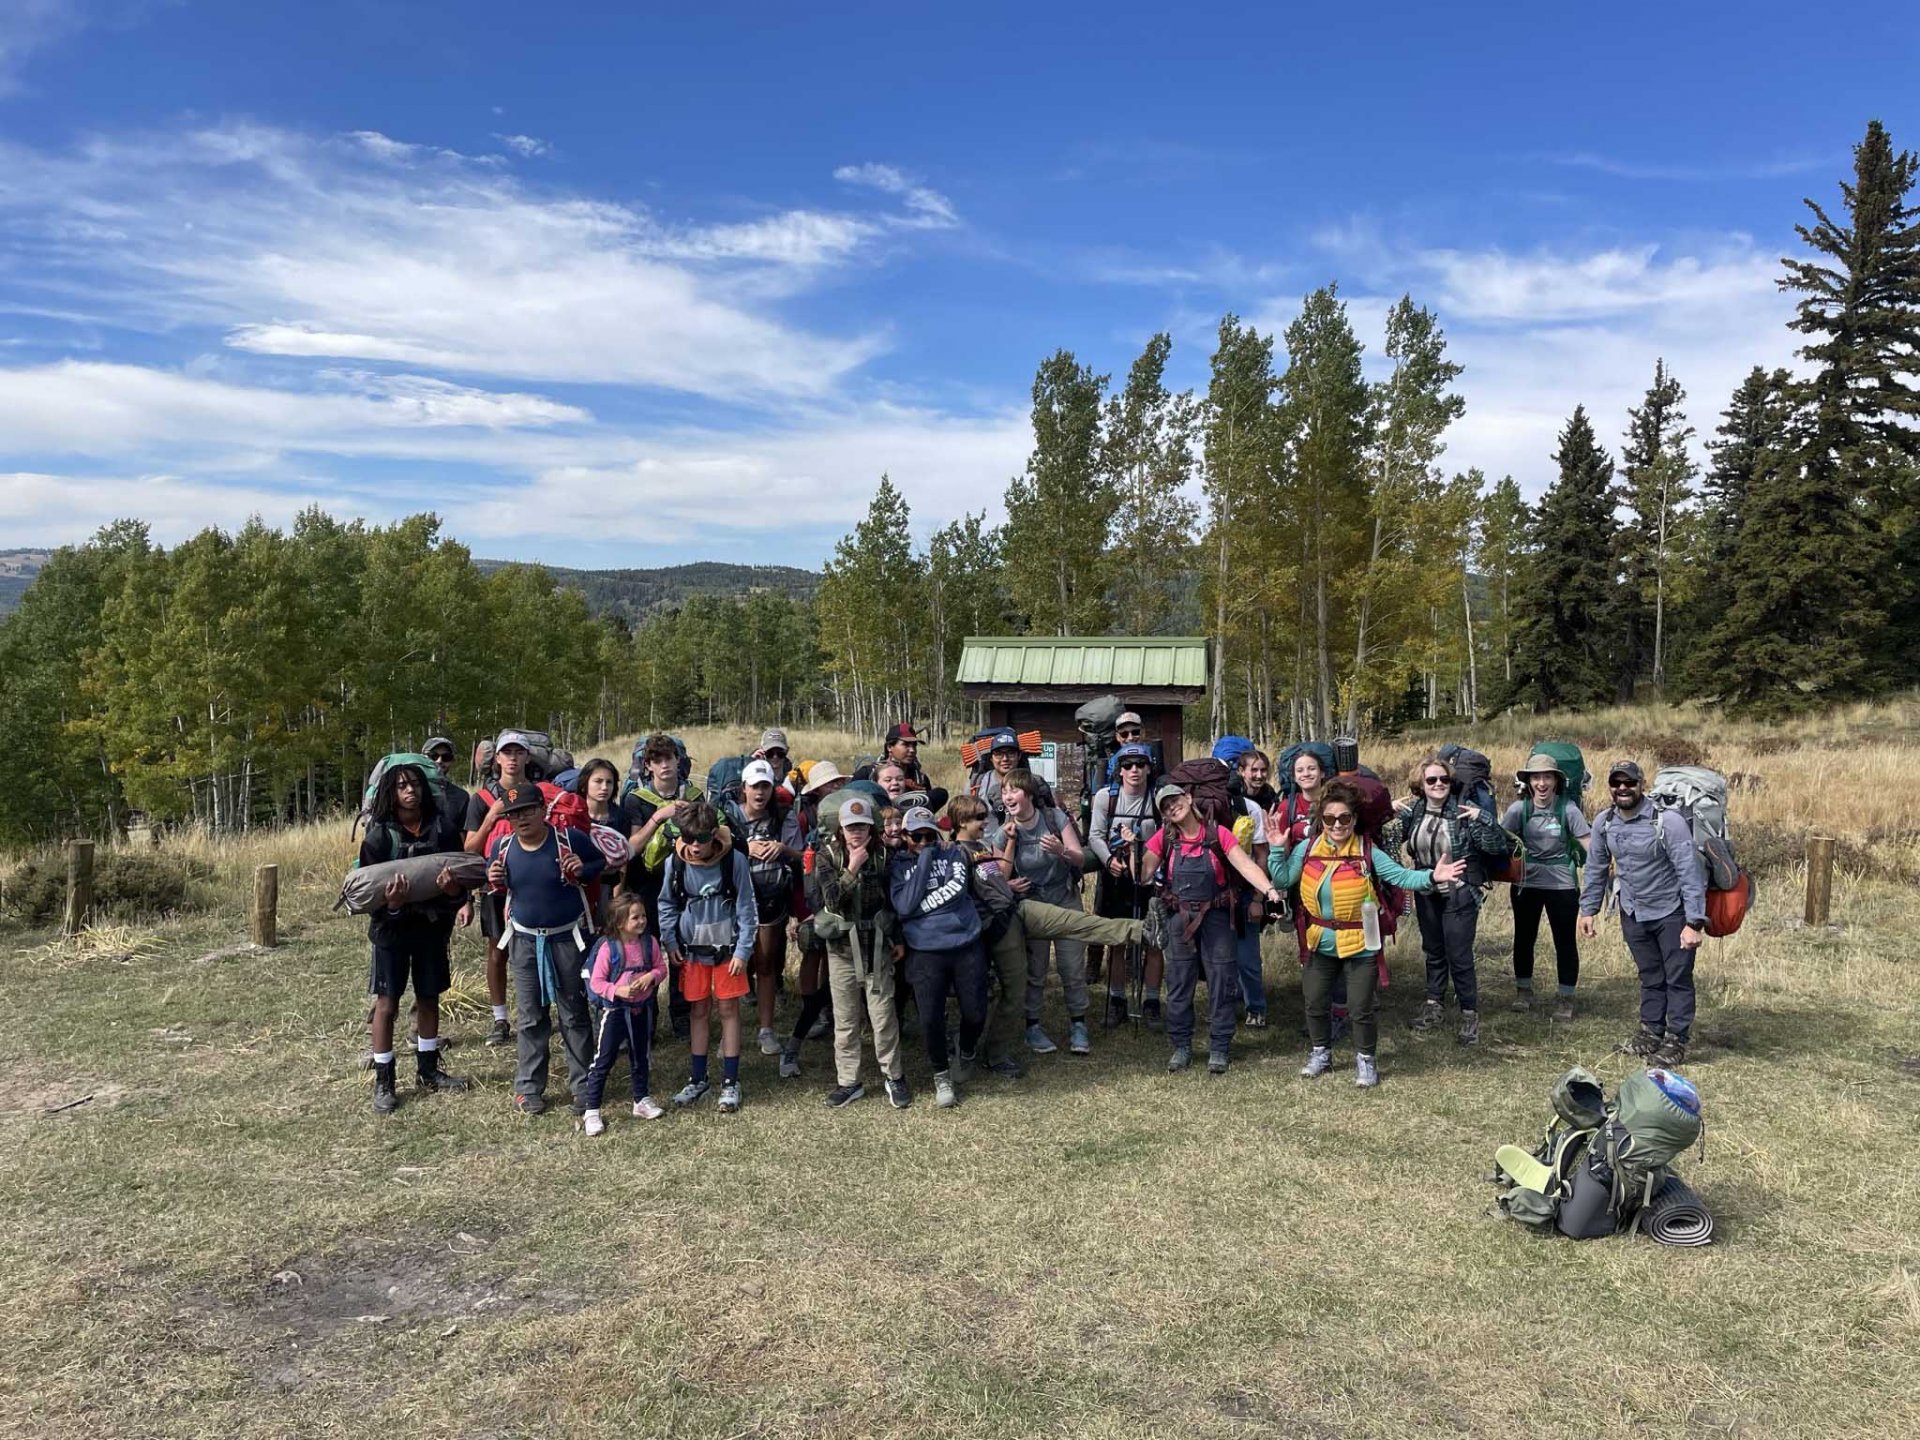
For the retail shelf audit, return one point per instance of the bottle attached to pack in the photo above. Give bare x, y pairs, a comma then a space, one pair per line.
1370, 924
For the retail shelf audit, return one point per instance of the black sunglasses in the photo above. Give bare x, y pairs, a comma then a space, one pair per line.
1342, 819
1133, 764
920, 837
697, 840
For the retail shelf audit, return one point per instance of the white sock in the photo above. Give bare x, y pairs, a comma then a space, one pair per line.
427, 1042
499, 1012
383, 1058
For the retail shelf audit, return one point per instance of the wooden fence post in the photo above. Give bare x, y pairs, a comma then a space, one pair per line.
79, 886
265, 921
1819, 878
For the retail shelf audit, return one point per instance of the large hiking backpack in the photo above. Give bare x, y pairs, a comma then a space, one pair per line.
826, 816
1097, 720
725, 780
1573, 767
1215, 787
1320, 751
438, 784
1700, 795
1473, 777
565, 811
636, 770
1601, 1165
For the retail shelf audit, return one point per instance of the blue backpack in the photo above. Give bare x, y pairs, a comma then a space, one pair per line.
636, 772
1320, 751
615, 970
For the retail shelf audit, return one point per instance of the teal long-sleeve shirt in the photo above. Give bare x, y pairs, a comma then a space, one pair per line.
1284, 870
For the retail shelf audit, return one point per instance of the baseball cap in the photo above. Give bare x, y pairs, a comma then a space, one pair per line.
1164, 794
438, 742
520, 797
855, 810
918, 818
775, 739
758, 772
823, 774
511, 737
1130, 717
1627, 768
903, 731
1132, 751
1005, 740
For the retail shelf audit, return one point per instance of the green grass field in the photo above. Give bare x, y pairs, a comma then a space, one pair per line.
223, 1240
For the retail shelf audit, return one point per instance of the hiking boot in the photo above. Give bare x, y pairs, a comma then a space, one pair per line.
1217, 1062
1469, 1027
501, 1033
842, 1095
431, 1077
769, 1042
645, 1109
790, 1060
691, 1093
1522, 1002
1078, 1041
1037, 1040
1008, 1069
1671, 1054
530, 1105
1642, 1046
1432, 1016
963, 1068
944, 1095
385, 1099
594, 1124
1116, 1015
898, 1095
1366, 1074
1318, 1063
1256, 1020
729, 1096
1181, 1058
1150, 1013
1563, 1008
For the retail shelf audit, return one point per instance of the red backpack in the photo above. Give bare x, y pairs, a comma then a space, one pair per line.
1214, 787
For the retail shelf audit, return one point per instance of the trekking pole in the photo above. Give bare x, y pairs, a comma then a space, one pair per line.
1136, 949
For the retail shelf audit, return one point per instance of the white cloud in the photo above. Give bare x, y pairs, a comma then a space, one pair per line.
27, 26
529, 147
927, 209
1696, 173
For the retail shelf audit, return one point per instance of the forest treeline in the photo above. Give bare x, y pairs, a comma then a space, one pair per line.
1294, 510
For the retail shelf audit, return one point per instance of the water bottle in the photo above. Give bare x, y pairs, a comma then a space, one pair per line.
1370, 924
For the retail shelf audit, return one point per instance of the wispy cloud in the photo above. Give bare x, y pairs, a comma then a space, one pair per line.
529, 147
28, 26
1695, 173
926, 208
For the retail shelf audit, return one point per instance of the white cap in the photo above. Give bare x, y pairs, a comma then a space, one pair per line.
1130, 717
758, 772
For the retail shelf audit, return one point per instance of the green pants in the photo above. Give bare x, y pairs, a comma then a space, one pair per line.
1363, 980
1007, 1022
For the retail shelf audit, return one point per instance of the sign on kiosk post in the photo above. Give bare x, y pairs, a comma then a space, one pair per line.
1046, 764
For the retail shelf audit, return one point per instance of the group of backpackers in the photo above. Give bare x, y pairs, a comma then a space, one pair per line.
601, 891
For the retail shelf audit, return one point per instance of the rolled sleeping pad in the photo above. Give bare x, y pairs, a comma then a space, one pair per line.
365, 888
1677, 1216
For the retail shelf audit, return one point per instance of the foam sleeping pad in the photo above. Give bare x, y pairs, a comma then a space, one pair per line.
365, 888
1677, 1216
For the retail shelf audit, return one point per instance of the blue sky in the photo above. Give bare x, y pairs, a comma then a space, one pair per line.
608, 284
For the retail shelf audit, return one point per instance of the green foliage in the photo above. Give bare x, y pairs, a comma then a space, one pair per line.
1147, 451
1059, 512
1658, 474
126, 887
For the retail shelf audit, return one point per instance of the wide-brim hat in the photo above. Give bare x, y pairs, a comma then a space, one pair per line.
823, 774
1539, 764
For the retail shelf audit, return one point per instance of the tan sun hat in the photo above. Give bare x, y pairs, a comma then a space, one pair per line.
1539, 764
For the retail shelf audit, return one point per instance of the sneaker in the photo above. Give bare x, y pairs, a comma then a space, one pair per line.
385, 1099
1217, 1062
1008, 1069
964, 1066
1366, 1074
1318, 1063
1469, 1027
1642, 1045
691, 1093
645, 1109
1522, 1003
790, 1060
1256, 1020
819, 1028
944, 1095
595, 1125
1563, 1008
1150, 1013
1672, 1053
769, 1042
501, 1033
530, 1105
1079, 1042
1037, 1040
1116, 1015
1179, 1060
729, 1096
842, 1095
898, 1095
1432, 1016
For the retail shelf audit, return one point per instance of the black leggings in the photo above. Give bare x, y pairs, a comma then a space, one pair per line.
932, 974
1563, 910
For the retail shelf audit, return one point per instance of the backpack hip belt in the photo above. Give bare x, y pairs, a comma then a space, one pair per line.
542, 957
1193, 914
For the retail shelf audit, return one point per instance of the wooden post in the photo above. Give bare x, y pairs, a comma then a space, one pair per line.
264, 927
79, 886
1819, 878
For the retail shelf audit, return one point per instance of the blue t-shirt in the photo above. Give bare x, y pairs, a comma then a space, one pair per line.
541, 899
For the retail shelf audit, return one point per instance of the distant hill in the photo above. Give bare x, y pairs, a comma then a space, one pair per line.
632, 593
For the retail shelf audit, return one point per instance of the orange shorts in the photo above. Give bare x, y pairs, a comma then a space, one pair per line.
698, 982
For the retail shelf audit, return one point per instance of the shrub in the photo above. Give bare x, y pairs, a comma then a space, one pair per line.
125, 887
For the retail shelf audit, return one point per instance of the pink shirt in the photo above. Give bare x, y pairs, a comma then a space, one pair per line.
1222, 839
601, 979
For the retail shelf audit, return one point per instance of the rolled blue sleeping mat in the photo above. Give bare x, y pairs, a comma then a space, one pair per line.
1676, 1216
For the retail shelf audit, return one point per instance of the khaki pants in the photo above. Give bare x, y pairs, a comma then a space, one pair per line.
877, 991
1033, 921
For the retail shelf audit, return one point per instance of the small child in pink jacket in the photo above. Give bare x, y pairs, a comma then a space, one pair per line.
625, 970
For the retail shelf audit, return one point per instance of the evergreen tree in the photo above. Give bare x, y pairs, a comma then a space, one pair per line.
1147, 453
1657, 475
1563, 655
1060, 511
1500, 526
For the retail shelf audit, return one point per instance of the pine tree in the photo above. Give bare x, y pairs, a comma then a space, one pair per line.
1147, 453
1563, 655
1059, 512
1657, 484
1500, 555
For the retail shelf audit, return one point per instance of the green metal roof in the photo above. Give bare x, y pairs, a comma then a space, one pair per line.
1084, 661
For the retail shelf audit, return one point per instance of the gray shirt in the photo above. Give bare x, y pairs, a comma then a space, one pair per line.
1053, 880
1111, 812
1550, 859
1651, 851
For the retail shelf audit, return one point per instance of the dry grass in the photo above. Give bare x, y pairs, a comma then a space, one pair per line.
222, 1241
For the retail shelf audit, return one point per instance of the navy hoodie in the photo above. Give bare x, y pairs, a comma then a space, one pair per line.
933, 897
